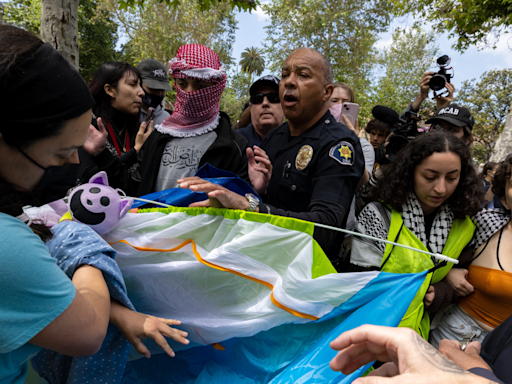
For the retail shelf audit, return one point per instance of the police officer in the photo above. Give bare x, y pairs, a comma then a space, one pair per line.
316, 162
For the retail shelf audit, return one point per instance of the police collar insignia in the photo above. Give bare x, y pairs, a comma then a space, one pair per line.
343, 153
303, 157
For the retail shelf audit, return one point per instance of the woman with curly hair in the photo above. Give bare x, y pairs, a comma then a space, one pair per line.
487, 293
423, 200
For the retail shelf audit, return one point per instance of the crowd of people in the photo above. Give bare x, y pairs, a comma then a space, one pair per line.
305, 159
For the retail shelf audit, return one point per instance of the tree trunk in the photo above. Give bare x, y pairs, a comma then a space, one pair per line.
504, 143
59, 27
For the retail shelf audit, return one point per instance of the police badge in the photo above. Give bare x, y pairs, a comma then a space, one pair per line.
303, 157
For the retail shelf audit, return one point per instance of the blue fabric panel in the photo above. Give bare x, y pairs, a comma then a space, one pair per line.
184, 197
387, 309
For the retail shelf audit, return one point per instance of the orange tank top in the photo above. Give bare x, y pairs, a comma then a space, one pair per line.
491, 301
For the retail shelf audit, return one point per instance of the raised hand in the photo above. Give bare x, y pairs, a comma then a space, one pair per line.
142, 135
96, 139
443, 101
260, 169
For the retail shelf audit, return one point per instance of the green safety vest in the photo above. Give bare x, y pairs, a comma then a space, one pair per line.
402, 260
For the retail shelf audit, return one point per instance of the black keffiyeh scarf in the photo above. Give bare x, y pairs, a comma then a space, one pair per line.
488, 222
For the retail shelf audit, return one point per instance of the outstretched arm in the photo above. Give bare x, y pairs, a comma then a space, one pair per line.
411, 359
137, 326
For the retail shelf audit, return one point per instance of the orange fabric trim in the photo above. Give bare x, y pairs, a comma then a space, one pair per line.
201, 260
218, 347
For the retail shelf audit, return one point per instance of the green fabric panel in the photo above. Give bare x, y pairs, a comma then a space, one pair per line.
321, 264
280, 221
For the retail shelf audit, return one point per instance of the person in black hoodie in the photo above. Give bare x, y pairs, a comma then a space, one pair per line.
197, 132
117, 91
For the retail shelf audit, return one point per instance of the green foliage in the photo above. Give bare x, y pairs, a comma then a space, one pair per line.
252, 61
157, 31
472, 22
97, 37
202, 5
411, 53
25, 14
489, 102
235, 95
343, 30
97, 33
479, 153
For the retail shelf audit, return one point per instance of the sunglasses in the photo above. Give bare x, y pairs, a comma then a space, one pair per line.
258, 98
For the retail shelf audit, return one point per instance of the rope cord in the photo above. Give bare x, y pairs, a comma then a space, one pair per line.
438, 256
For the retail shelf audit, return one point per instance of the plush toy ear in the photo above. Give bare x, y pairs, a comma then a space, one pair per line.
99, 178
125, 206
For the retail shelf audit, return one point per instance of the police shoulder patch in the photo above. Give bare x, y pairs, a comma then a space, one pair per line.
343, 152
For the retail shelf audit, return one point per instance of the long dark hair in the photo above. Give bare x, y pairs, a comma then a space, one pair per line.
109, 72
15, 45
397, 182
488, 167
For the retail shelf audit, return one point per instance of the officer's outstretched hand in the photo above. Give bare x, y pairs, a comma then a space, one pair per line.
412, 359
260, 169
218, 196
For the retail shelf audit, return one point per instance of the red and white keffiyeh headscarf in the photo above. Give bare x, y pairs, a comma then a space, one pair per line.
195, 113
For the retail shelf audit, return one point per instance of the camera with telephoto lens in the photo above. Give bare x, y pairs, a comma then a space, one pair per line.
404, 131
439, 80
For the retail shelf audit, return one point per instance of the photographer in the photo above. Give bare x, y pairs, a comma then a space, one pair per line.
442, 101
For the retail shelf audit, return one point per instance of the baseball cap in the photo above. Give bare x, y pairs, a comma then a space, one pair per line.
268, 80
454, 114
154, 74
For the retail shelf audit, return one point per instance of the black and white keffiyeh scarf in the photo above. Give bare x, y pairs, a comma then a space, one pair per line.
414, 219
488, 222
374, 221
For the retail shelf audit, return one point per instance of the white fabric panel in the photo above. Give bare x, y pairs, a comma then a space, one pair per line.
216, 305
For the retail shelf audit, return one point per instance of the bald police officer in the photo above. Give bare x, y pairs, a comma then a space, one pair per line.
316, 163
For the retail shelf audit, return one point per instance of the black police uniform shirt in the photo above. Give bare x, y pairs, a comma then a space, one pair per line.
314, 175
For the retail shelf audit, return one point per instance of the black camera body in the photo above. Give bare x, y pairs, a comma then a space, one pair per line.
439, 80
404, 131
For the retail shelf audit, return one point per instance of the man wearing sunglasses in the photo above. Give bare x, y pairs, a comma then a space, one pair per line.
316, 161
266, 110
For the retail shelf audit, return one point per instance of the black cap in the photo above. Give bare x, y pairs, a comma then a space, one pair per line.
154, 75
459, 116
268, 80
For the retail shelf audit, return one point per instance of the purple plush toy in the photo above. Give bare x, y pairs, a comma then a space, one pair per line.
98, 205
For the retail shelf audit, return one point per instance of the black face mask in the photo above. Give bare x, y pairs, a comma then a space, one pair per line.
31, 159
151, 101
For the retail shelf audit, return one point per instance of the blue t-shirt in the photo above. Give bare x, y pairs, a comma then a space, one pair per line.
33, 292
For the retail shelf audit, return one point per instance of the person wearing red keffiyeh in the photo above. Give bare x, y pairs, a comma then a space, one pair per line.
197, 132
